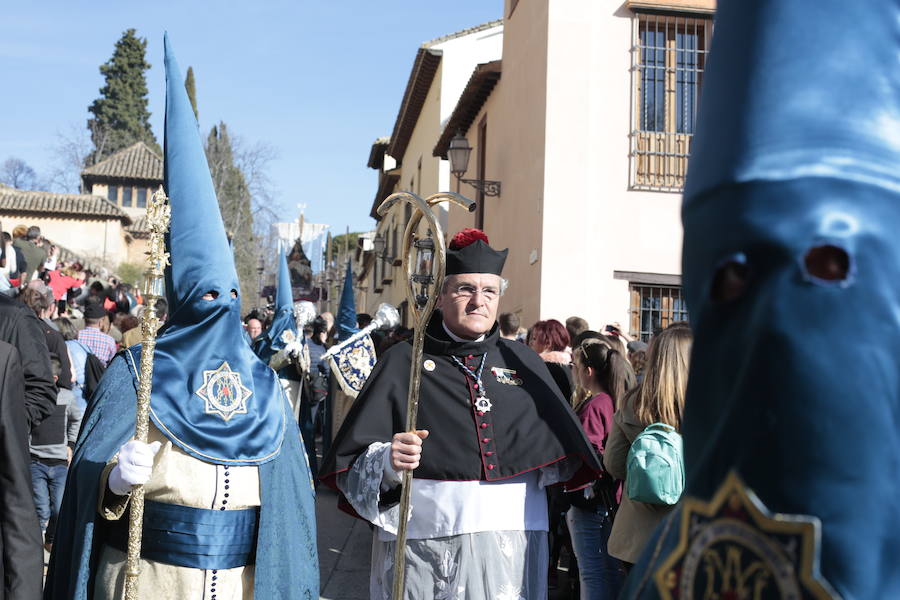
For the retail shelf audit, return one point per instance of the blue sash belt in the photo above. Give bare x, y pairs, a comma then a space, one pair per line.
198, 538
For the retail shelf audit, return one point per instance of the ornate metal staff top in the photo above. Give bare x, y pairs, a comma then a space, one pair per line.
386, 317
424, 259
158, 221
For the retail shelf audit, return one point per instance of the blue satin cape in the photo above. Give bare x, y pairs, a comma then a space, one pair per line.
286, 556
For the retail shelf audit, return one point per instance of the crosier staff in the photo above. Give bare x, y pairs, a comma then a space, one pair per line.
424, 277
158, 212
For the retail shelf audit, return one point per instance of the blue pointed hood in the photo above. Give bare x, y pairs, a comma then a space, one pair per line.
791, 271
275, 338
211, 395
196, 234
284, 297
346, 320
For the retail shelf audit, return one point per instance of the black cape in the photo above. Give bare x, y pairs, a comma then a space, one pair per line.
529, 426
21, 560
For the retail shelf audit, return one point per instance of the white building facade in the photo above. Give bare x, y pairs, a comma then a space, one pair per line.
406, 161
587, 122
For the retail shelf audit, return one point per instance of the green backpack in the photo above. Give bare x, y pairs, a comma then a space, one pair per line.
655, 466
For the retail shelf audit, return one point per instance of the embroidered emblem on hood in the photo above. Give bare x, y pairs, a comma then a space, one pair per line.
223, 392
734, 540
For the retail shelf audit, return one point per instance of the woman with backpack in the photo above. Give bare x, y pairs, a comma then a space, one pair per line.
603, 376
658, 399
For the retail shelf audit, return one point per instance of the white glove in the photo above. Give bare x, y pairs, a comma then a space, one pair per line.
134, 467
293, 349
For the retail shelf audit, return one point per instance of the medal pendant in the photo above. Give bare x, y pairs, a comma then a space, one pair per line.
483, 404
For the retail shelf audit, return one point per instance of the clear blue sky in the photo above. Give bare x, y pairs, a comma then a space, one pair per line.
317, 80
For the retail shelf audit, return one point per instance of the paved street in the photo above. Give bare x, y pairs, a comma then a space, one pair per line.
345, 545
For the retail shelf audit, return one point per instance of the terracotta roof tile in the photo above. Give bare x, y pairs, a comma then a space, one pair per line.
81, 205
463, 32
417, 86
474, 95
137, 161
420, 79
139, 227
376, 153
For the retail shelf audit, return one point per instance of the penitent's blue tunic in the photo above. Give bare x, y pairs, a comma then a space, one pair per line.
286, 557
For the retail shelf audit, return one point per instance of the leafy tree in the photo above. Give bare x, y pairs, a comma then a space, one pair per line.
130, 273
15, 172
121, 117
235, 203
342, 244
191, 87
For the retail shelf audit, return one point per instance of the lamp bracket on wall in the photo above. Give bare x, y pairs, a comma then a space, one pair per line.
486, 187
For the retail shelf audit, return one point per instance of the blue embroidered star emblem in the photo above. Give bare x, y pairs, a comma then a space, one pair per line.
223, 392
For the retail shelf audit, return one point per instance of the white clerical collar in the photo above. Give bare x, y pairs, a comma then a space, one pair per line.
456, 338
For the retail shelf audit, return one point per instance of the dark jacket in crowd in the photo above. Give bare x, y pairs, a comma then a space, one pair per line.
21, 328
56, 344
21, 567
34, 257
49, 439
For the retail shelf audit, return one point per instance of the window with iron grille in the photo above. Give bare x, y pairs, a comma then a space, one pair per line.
655, 307
668, 56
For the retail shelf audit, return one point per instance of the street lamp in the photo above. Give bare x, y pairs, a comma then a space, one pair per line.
379, 244
458, 153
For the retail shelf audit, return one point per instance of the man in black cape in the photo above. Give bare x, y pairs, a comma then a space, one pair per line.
494, 432
21, 561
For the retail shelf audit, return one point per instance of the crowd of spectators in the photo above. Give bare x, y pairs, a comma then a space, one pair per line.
60, 326
617, 386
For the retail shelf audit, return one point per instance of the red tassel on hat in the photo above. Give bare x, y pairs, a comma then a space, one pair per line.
467, 236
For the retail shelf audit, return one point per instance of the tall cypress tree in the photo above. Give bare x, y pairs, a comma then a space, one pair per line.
121, 117
191, 87
234, 198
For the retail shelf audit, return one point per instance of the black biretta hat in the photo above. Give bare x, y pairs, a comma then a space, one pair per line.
469, 252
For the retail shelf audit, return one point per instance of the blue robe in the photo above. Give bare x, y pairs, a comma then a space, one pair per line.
286, 556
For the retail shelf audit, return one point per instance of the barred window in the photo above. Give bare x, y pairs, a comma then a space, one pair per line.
668, 60
655, 307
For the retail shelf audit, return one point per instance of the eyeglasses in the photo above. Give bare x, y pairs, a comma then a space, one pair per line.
467, 291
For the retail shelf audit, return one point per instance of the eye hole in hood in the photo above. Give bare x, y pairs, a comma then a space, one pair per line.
730, 281
827, 263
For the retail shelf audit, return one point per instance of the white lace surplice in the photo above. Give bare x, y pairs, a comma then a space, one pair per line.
466, 539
